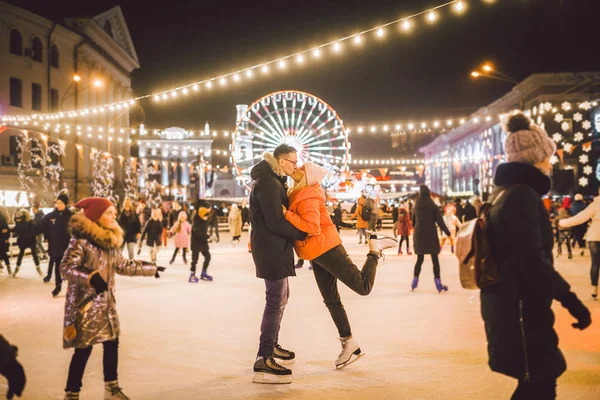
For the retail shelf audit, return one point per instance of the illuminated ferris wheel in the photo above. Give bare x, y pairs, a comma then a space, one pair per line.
299, 119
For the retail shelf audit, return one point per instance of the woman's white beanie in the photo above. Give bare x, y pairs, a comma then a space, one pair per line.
527, 142
314, 173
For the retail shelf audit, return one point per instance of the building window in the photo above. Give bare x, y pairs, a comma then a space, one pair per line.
108, 28
16, 92
37, 50
54, 100
36, 97
54, 56
16, 43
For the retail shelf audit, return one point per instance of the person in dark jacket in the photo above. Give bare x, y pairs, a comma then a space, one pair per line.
460, 211
517, 311
199, 244
245, 214
4, 239
469, 212
11, 369
174, 213
25, 230
395, 219
426, 215
153, 232
129, 221
38, 216
213, 223
578, 231
55, 226
272, 239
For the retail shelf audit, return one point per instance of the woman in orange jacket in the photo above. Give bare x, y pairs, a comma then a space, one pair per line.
329, 259
361, 224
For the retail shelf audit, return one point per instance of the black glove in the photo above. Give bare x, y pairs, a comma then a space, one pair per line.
14, 373
159, 269
576, 308
98, 284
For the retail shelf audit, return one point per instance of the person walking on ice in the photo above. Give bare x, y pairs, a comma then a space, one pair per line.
329, 259
89, 266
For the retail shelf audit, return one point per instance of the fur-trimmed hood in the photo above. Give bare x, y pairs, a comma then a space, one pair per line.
82, 227
268, 166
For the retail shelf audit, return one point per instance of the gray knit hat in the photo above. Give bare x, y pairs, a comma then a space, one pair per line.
527, 142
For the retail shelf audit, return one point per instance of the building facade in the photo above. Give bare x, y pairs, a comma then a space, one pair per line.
40, 59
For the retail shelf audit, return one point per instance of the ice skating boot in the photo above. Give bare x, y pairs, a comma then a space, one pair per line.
112, 391
9, 270
350, 352
378, 243
408, 252
438, 285
205, 277
39, 270
268, 371
399, 252
594, 292
193, 278
283, 356
47, 278
414, 284
298, 265
72, 396
56, 290
16, 271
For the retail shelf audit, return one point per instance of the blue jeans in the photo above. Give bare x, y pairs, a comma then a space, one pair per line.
277, 295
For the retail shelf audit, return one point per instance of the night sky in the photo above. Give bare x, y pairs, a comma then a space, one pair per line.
421, 75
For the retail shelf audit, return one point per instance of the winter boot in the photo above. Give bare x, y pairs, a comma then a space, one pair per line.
268, 371
16, 271
71, 396
283, 356
350, 348
56, 290
438, 285
595, 292
193, 278
414, 284
205, 277
39, 270
379, 243
112, 391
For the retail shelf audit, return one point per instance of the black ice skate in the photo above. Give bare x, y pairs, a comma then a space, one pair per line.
268, 371
285, 357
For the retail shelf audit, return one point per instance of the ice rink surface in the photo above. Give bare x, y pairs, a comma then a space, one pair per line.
199, 341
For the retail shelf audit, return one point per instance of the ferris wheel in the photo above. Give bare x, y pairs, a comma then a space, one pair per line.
299, 119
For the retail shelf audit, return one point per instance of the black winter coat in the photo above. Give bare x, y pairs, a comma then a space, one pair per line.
521, 243
469, 212
55, 227
153, 232
26, 233
395, 214
425, 217
130, 223
272, 236
4, 236
199, 235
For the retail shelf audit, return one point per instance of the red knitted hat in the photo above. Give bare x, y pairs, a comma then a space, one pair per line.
94, 207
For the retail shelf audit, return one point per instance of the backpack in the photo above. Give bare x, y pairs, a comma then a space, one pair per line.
477, 268
365, 213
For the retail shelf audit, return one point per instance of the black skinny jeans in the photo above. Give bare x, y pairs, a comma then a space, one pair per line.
110, 362
196, 256
55, 263
33, 253
539, 390
436, 265
595, 253
336, 264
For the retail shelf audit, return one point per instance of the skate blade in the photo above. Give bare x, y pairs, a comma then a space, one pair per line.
285, 362
270, 379
354, 358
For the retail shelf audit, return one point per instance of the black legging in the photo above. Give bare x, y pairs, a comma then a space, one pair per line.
436, 265
4, 257
402, 239
110, 362
33, 253
195, 257
177, 251
595, 253
55, 263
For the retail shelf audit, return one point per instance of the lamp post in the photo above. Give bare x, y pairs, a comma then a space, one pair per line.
488, 71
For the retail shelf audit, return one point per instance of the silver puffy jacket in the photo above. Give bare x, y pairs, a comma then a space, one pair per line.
92, 318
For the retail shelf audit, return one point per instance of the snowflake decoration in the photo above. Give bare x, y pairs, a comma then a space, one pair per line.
557, 137
578, 137
539, 120
586, 105
559, 117
588, 170
584, 159
566, 106
587, 149
553, 160
583, 181
565, 126
577, 117
568, 147
547, 106
586, 124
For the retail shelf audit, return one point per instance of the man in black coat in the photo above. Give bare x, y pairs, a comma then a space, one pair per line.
273, 253
55, 226
199, 243
469, 212
395, 219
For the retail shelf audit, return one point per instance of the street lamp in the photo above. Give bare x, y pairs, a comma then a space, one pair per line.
76, 78
488, 71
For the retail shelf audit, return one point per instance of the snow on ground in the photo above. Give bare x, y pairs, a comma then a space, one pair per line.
199, 341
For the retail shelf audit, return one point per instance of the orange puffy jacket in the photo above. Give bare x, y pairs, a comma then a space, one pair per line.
308, 213
361, 223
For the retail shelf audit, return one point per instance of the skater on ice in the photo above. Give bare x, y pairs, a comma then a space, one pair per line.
182, 231
25, 230
200, 244
4, 240
153, 233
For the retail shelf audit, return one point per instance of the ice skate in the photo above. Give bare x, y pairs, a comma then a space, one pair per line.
438, 285
378, 243
350, 353
283, 356
9, 270
595, 292
56, 290
399, 252
16, 272
47, 278
298, 266
414, 284
205, 277
112, 391
408, 253
71, 396
39, 270
193, 278
268, 371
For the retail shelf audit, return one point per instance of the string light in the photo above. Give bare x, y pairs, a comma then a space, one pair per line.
431, 16
380, 32
357, 39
